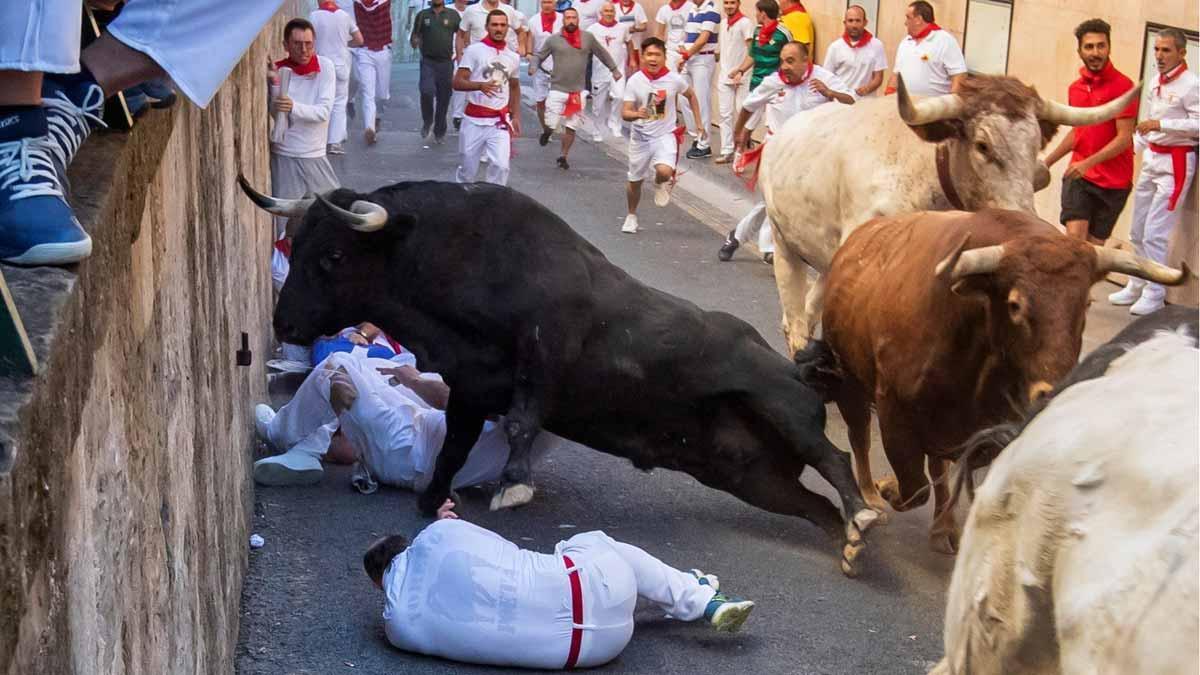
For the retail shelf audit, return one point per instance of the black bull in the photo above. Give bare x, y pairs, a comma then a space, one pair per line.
523, 317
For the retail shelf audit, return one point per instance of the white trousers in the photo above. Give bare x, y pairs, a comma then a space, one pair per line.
606, 105
43, 35
729, 103
1150, 230
756, 222
341, 94
556, 103
699, 71
613, 576
373, 70
476, 141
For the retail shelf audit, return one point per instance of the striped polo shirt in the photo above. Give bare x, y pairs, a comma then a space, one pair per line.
703, 17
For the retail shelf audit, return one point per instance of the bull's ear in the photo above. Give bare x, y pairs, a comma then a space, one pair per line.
1048, 131
936, 132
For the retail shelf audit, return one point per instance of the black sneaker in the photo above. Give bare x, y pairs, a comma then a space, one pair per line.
731, 244
545, 137
457, 123
562, 163
698, 152
425, 130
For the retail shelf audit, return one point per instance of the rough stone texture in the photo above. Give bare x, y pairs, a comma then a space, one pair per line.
124, 491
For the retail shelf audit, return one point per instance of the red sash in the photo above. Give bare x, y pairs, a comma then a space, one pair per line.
574, 104
1179, 157
503, 120
576, 613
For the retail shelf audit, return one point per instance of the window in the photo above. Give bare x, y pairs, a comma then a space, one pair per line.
1150, 67
872, 7
985, 42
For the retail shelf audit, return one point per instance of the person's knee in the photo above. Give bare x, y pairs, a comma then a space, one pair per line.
662, 173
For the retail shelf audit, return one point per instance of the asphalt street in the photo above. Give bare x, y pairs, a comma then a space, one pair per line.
307, 607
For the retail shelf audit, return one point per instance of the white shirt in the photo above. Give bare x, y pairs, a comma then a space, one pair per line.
540, 36
734, 47
1176, 105
308, 122
521, 24
856, 65
635, 16
615, 40
782, 101
676, 22
474, 23
333, 31
487, 63
659, 97
927, 67
589, 12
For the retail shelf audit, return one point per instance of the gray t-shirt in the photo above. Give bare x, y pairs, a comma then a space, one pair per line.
570, 64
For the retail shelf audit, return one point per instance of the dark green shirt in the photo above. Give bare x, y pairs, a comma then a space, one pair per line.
436, 32
766, 57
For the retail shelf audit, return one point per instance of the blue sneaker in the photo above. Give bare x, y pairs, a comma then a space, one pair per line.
727, 613
74, 105
37, 226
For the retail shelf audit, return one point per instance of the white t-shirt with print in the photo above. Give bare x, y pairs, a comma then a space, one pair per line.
635, 16
676, 22
614, 39
658, 96
927, 67
488, 63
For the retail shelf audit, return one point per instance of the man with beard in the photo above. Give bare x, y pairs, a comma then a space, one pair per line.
571, 49
859, 58
488, 72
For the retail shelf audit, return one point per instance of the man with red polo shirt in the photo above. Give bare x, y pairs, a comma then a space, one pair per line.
373, 61
1100, 176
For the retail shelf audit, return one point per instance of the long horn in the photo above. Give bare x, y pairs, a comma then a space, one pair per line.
364, 216
1116, 260
924, 111
279, 207
945, 268
1052, 111
976, 261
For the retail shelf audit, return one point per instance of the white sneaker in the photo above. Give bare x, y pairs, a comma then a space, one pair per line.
1128, 295
631, 224
1146, 305
294, 467
263, 414
597, 138
662, 193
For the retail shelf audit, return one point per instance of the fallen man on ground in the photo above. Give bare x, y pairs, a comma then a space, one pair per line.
467, 594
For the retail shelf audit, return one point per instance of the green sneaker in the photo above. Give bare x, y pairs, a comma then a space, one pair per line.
727, 613
707, 579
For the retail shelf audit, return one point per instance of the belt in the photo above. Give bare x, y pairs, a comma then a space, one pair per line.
576, 612
1178, 155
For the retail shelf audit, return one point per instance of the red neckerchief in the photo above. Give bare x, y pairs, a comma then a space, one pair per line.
676, 5
862, 41
929, 28
369, 5
573, 38
313, 66
548, 21
798, 8
1168, 78
1093, 79
608, 24
654, 76
807, 74
626, 8
328, 6
284, 246
498, 46
734, 18
765, 33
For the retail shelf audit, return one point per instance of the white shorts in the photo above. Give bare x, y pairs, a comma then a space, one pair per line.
541, 85
644, 155
556, 102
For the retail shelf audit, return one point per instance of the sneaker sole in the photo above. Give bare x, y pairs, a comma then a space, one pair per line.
278, 475
662, 197
732, 615
54, 254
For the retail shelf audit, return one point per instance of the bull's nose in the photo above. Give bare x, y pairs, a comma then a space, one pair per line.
1039, 391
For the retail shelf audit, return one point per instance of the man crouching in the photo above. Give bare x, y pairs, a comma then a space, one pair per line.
464, 593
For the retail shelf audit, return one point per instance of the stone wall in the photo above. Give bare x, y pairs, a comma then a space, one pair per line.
124, 490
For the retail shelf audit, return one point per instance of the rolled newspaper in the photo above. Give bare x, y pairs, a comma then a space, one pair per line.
281, 118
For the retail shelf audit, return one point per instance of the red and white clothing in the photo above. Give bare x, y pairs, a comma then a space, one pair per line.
589, 12
333, 28
485, 127
927, 65
734, 47
1093, 89
856, 63
474, 22
1168, 165
312, 90
458, 99
652, 141
373, 61
467, 594
541, 27
632, 15
607, 92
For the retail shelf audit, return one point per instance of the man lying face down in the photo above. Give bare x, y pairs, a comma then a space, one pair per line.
464, 593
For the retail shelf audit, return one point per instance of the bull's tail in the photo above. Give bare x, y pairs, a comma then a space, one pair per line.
818, 368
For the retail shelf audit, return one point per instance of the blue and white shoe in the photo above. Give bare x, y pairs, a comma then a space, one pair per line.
727, 613
37, 226
706, 579
74, 106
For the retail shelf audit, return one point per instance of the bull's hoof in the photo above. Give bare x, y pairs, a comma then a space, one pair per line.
855, 541
509, 496
944, 542
868, 518
879, 505
851, 565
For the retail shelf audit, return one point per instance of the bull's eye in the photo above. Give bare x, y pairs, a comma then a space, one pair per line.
333, 259
983, 148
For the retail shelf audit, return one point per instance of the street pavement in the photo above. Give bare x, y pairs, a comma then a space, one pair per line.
307, 607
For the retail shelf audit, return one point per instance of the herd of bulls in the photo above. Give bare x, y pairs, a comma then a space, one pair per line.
945, 323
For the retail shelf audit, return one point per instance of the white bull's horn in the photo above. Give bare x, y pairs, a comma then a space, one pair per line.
364, 216
925, 111
976, 261
1052, 111
1124, 262
280, 207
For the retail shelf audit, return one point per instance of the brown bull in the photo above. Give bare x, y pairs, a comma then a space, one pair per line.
949, 322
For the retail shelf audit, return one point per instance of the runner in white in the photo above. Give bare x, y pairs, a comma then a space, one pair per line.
650, 105
488, 73
336, 34
736, 32
632, 13
473, 27
458, 99
607, 92
858, 58
798, 86
544, 24
464, 593
589, 12
373, 60
698, 64
518, 34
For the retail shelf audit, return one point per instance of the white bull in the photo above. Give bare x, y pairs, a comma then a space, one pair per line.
1080, 550
829, 170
